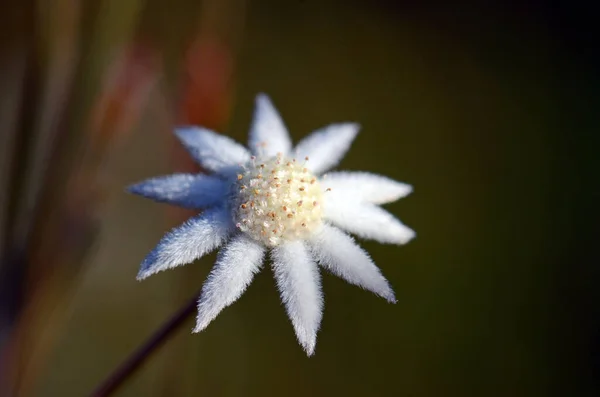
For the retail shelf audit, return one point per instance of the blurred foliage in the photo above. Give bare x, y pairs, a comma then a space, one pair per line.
487, 109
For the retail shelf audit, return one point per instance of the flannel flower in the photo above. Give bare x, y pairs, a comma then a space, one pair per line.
276, 198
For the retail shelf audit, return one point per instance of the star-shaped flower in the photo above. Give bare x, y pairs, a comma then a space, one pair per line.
275, 198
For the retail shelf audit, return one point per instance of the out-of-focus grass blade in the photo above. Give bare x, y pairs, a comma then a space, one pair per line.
65, 222
13, 61
52, 61
12, 75
15, 73
13, 64
58, 24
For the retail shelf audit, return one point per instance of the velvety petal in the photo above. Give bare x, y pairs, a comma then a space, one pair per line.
366, 220
268, 135
326, 146
213, 151
236, 266
185, 190
364, 186
299, 284
188, 242
338, 253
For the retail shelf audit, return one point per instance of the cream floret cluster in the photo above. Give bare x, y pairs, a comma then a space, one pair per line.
277, 200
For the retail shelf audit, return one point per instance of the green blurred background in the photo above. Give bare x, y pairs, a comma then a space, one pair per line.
488, 109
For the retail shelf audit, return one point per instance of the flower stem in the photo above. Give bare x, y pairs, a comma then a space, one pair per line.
137, 358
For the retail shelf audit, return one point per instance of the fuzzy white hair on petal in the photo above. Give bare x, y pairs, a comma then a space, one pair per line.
326, 146
184, 190
338, 253
299, 284
364, 186
212, 151
268, 135
188, 242
233, 272
366, 221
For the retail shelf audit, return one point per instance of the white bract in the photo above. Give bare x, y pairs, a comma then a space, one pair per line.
275, 198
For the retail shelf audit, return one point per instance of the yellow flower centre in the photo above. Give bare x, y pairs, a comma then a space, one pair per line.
277, 200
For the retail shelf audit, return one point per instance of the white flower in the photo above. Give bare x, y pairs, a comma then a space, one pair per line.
275, 198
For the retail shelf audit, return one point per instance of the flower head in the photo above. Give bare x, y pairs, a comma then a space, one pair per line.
272, 198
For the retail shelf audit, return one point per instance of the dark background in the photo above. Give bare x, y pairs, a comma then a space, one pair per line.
489, 109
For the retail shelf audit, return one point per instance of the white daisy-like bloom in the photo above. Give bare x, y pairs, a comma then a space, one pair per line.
275, 198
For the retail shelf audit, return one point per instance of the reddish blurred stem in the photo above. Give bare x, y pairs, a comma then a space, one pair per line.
138, 357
